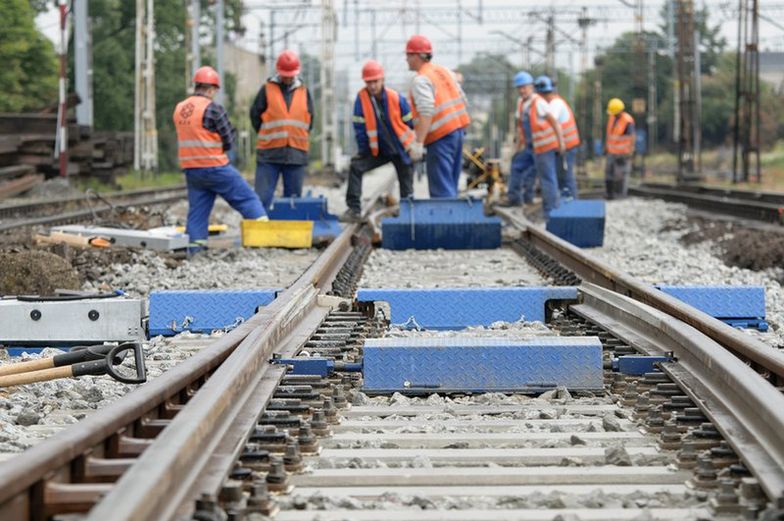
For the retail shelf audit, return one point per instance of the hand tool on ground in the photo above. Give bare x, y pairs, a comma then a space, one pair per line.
73, 240
91, 360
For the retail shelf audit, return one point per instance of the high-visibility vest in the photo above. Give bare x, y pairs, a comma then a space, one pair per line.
619, 143
542, 132
197, 147
571, 135
451, 113
396, 120
283, 126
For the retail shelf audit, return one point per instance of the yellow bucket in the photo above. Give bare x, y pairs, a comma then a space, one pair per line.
277, 234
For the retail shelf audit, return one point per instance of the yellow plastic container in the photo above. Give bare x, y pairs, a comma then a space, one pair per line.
277, 234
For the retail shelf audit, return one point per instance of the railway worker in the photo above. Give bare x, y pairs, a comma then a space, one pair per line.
282, 116
204, 136
567, 183
522, 171
540, 134
440, 114
383, 128
619, 146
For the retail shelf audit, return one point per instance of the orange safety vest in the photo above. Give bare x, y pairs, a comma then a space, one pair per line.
571, 135
282, 126
542, 132
618, 143
197, 147
403, 133
451, 113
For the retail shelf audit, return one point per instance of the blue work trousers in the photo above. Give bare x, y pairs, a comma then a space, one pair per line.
544, 167
267, 179
567, 182
522, 168
444, 164
204, 184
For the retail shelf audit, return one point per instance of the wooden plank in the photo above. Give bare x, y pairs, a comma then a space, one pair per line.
478, 440
9, 172
9, 144
492, 476
583, 514
21, 185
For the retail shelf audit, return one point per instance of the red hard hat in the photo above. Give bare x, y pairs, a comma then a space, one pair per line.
419, 44
206, 75
372, 71
287, 64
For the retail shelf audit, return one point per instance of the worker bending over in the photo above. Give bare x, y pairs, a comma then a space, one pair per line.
440, 117
282, 116
204, 135
383, 129
567, 183
619, 146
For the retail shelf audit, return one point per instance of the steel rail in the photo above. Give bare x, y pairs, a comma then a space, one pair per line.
760, 355
718, 201
745, 408
731, 193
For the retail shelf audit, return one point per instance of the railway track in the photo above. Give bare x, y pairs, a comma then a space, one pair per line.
748, 204
227, 433
69, 210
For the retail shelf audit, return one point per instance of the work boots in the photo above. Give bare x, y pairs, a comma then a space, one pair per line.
351, 216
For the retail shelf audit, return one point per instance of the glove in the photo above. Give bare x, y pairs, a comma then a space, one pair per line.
416, 151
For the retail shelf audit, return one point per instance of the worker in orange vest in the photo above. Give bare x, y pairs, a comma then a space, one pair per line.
384, 132
282, 116
440, 118
619, 147
204, 136
567, 183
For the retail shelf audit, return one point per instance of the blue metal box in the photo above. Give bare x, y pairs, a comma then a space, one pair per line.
325, 224
202, 311
457, 308
452, 224
424, 365
579, 221
739, 306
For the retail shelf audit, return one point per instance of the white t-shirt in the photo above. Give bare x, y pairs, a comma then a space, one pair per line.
542, 107
559, 109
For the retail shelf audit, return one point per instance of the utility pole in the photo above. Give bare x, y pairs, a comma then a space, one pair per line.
145, 152
193, 57
61, 134
374, 43
328, 107
651, 105
83, 73
746, 144
689, 122
219, 38
676, 101
550, 47
584, 22
356, 30
459, 33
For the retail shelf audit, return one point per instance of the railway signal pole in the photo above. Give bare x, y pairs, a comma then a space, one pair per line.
328, 107
145, 151
689, 123
746, 148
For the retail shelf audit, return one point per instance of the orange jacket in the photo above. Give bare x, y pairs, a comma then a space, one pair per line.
571, 135
403, 133
542, 132
451, 113
619, 143
283, 126
197, 147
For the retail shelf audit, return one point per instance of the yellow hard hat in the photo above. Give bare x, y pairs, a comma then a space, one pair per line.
614, 106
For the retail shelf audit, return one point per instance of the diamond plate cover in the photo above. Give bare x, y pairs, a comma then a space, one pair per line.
723, 302
201, 311
451, 224
325, 224
457, 308
421, 365
579, 221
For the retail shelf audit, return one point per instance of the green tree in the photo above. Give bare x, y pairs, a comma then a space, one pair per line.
29, 71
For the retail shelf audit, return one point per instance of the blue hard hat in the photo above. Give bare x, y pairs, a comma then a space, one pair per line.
543, 84
523, 78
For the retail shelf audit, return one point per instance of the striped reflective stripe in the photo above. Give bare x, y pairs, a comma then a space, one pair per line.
449, 117
283, 123
407, 117
447, 104
545, 141
544, 132
358, 119
189, 158
198, 143
273, 135
372, 133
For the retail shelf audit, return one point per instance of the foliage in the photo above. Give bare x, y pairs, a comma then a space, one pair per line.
29, 72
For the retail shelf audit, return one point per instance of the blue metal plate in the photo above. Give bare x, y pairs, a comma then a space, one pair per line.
453, 308
723, 302
452, 224
422, 365
202, 311
325, 224
579, 221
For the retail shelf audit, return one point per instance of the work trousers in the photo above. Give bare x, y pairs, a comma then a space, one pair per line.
521, 188
544, 169
444, 164
204, 184
567, 182
616, 173
361, 164
267, 175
